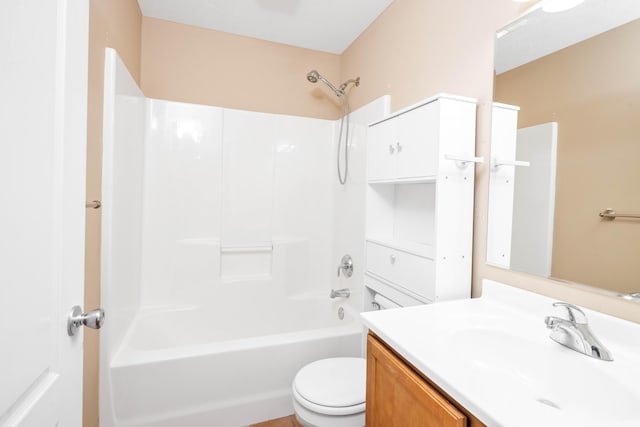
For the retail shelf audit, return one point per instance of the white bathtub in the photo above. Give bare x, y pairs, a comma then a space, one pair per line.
222, 365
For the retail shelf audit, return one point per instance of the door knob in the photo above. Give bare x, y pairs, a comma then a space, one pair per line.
93, 319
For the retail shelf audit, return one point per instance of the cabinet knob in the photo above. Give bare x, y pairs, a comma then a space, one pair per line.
399, 147
391, 149
392, 259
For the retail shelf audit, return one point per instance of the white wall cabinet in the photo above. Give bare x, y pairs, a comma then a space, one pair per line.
420, 200
405, 147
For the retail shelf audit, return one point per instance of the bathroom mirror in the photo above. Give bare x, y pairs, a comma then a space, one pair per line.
566, 146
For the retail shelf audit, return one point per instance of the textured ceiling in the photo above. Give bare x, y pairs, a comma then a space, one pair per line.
325, 25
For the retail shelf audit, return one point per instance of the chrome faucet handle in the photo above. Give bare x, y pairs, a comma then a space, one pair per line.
574, 313
344, 293
346, 266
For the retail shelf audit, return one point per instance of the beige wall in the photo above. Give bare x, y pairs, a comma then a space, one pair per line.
191, 64
117, 24
589, 89
417, 48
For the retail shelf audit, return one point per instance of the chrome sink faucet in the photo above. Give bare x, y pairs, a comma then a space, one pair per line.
574, 332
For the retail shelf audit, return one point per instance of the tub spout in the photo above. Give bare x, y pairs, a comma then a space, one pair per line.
343, 293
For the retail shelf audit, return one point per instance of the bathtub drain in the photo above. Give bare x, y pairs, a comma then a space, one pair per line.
341, 313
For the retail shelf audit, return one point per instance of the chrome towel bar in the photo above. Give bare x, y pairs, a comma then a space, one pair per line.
631, 297
611, 214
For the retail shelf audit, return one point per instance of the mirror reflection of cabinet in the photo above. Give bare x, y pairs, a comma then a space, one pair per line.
504, 122
522, 193
578, 69
419, 208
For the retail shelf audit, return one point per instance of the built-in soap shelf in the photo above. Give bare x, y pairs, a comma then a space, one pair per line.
410, 247
247, 248
413, 180
246, 262
211, 258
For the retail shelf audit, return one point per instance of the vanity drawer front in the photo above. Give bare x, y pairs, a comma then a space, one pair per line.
407, 270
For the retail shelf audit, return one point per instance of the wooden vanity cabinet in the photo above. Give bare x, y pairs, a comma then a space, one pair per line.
397, 395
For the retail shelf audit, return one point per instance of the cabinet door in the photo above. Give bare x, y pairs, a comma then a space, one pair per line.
381, 151
397, 396
418, 132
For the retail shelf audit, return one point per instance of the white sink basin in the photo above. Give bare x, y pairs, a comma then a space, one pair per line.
494, 356
564, 380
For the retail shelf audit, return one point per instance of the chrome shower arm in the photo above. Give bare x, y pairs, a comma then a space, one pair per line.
344, 85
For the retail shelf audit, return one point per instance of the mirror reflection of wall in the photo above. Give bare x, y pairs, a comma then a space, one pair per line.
591, 91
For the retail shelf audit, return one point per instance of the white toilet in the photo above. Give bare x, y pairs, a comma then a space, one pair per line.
331, 393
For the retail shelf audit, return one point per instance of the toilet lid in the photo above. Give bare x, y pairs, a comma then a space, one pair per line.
335, 382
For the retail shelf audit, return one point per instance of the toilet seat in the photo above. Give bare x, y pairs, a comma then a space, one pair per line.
335, 386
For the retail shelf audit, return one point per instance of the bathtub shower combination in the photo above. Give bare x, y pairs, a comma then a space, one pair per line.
224, 364
220, 241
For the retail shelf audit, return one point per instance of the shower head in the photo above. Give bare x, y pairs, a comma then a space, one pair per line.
312, 76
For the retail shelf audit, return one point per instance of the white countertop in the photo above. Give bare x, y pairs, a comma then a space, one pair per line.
494, 356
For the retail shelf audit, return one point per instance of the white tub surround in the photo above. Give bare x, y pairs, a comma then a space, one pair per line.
225, 192
349, 199
493, 355
218, 257
122, 189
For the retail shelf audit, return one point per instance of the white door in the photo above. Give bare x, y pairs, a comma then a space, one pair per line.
534, 200
43, 95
